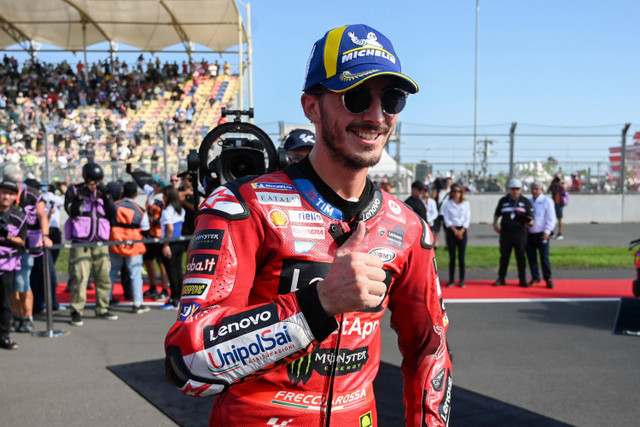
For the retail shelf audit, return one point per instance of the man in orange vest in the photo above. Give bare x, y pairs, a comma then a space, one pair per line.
130, 220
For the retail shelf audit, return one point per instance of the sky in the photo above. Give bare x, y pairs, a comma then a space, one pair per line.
553, 67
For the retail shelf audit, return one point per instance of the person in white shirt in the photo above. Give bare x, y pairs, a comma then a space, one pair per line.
538, 237
456, 214
441, 195
171, 221
431, 205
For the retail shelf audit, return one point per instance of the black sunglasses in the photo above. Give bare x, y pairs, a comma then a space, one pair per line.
359, 99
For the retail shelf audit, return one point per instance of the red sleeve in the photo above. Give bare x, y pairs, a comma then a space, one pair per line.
219, 339
420, 320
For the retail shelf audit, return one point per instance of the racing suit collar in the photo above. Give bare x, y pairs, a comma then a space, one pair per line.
350, 210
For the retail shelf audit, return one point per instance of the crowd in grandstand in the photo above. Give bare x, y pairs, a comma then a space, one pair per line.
87, 110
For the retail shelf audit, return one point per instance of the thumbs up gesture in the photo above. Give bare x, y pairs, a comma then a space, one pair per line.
355, 281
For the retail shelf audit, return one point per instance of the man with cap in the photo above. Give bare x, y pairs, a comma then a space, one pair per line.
90, 209
414, 201
516, 214
298, 144
289, 273
13, 234
538, 238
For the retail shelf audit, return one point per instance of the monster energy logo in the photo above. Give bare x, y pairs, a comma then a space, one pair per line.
321, 361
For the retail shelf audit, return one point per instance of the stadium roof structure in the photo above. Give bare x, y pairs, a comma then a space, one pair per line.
148, 25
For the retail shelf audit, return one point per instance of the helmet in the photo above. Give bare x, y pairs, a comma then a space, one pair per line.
92, 172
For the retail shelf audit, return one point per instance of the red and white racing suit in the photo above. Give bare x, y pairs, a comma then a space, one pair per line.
251, 328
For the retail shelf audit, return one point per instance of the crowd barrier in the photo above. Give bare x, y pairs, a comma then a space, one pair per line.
50, 332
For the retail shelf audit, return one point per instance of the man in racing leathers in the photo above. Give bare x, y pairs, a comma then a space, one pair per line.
288, 274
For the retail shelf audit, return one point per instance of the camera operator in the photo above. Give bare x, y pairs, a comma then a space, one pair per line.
30, 201
13, 234
89, 206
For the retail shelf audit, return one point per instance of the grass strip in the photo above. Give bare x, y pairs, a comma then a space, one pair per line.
560, 257
489, 257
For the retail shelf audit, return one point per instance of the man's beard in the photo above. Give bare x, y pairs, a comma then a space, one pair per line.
351, 161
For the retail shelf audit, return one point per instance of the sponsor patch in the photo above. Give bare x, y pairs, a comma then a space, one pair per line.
373, 208
278, 218
247, 353
438, 380
312, 196
303, 247
445, 406
390, 234
275, 422
359, 327
313, 401
280, 199
308, 217
195, 287
308, 232
394, 206
241, 324
188, 310
207, 239
272, 186
321, 360
202, 264
366, 420
385, 255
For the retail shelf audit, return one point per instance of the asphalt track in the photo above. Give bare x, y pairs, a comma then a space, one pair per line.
522, 357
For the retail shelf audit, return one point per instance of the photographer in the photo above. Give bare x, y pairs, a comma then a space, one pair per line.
89, 206
13, 234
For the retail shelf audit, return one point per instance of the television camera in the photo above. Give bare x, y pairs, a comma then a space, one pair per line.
232, 150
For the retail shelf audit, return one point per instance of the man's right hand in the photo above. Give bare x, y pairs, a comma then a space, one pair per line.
355, 281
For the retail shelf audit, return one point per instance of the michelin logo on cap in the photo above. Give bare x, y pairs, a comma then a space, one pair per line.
347, 56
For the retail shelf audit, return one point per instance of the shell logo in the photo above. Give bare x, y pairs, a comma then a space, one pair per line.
278, 218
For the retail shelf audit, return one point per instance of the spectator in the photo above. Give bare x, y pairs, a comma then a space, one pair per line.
414, 201
13, 234
576, 184
385, 185
152, 187
54, 199
456, 214
89, 207
37, 224
516, 214
298, 144
441, 195
38, 236
538, 238
129, 222
54, 202
430, 205
171, 222
175, 181
560, 196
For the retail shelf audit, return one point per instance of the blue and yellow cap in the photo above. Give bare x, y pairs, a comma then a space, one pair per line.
349, 55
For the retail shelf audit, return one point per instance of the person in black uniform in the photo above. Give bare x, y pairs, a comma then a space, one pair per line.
414, 201
517, 215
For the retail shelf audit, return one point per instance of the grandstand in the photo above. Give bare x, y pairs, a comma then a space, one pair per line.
116, 118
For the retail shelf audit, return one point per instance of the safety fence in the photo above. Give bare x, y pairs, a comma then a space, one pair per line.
50, 332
